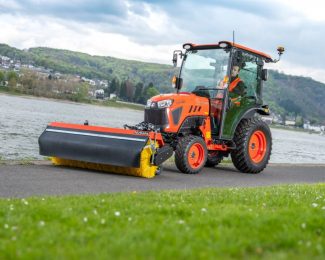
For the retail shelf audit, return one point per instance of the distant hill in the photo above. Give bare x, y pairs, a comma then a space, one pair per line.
89, 66
298, 95
286, 95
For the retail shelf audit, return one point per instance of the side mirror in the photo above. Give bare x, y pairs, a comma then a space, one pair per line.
177, 82
175, 56
264, 74
175, 59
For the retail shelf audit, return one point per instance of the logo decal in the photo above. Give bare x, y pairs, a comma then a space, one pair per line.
141, 133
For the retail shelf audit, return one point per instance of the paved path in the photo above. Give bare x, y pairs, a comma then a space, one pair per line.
45, 179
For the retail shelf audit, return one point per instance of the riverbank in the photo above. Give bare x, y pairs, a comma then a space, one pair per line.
107, 103
295, 129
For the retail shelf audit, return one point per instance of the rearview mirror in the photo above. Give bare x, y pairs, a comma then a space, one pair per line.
175, 56
264, 74
175, 59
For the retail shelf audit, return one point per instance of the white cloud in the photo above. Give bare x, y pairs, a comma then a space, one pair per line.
150, 31
311, 9
50, 32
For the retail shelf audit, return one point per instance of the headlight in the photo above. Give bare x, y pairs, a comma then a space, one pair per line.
149, 102
165, 103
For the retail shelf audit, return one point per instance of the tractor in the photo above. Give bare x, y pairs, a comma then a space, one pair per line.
217, 110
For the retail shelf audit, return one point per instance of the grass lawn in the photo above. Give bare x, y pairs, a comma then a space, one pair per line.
279, 222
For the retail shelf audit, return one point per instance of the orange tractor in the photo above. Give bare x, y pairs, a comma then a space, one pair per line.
216, 111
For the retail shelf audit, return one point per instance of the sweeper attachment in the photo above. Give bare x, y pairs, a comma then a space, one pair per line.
113, 150
218, 113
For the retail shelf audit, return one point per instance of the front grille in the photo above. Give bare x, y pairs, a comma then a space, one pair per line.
156, 116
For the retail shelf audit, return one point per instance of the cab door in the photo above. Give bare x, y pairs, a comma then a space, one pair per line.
250, 75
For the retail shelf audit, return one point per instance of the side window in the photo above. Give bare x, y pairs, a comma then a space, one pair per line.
249, 74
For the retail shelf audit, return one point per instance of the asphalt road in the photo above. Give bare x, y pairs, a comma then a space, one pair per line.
45, 179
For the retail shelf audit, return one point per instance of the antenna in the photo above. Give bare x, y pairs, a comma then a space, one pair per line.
233, 37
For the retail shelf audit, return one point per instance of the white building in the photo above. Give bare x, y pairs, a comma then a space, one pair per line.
112, 96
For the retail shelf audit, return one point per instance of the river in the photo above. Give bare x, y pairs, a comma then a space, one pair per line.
22, 120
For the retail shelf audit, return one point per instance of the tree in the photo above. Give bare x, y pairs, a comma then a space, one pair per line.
12, 78
2, 78
290, 106
12, 75
113, 86
29, 82
150, 91
299, 121
82, 92
123, 90
150, 85
138, 95
129, 90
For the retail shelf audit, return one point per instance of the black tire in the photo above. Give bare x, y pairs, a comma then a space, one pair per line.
245, 133
182, 155
213, 159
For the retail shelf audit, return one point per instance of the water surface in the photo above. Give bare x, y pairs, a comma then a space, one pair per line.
23, 119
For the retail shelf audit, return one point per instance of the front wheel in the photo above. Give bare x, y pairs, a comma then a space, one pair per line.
253, 146
191, 154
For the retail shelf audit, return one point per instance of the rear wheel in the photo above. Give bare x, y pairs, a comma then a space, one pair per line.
213, 159
253, 146
190, 154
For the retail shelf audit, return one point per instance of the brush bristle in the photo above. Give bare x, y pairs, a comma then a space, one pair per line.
145, 170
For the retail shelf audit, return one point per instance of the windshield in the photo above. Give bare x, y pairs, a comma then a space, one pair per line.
204, 69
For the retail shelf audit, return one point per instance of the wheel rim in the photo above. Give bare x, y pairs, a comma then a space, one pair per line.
257, 146
196, 155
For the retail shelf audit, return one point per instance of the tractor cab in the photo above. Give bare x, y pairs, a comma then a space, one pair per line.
230, 75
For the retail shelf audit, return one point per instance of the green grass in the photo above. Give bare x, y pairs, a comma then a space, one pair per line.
9, 91
21, 161
280, 222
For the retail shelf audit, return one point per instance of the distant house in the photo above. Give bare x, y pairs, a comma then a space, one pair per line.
4, 60
316, 128
290, 122
57, 75
112, 96
99, 94
103, 83
92, 82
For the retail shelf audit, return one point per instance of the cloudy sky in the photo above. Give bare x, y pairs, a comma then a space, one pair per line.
150, 30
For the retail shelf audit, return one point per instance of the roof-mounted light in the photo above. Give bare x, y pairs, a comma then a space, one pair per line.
187, 46
280, 50
223, 44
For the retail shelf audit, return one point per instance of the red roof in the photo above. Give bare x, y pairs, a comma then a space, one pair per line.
234, 45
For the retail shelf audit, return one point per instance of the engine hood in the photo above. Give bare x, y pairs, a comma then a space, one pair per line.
182, 98
171, 115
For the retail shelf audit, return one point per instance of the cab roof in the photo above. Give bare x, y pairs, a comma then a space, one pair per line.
238, 46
